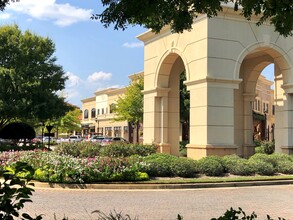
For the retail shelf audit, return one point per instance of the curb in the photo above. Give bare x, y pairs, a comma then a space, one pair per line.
146, 186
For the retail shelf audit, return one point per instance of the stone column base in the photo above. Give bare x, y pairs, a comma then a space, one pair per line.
248, 150
199, 151
287, 149
163, 148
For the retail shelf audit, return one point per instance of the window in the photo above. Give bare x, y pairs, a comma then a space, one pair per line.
98, 111
86, 114
112, 107
273, 109
93, 113
102, 111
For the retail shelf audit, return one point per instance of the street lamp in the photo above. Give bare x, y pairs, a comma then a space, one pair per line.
266, 131
42, 124
49, 128
97, 121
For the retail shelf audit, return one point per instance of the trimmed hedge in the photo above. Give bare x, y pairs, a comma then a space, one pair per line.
165, 165
89, 149
211, 166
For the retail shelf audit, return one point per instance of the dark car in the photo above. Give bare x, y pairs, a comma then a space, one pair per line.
111, 140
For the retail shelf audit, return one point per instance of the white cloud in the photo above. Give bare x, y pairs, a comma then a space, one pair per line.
61, 14
133, 44
73, 80
99, 76
5, 16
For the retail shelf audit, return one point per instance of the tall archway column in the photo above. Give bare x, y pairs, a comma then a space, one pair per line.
211, 117
248, 148
156, 119
285, 116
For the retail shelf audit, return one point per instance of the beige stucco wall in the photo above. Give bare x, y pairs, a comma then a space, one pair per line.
222, 58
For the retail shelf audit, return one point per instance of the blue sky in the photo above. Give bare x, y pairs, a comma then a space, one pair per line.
92, 56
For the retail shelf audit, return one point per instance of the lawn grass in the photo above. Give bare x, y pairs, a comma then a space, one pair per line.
224, 179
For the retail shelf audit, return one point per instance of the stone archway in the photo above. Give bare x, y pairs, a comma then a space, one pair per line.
222, 58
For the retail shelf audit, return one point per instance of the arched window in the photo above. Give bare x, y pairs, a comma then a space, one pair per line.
93, 113
86, 114
112, 107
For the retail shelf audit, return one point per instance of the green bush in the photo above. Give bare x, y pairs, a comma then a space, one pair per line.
165, 165
285, 167
211, 166
126, 150
37, 146
265, 147
72, 149
15, 192
89, 149
237, 166
263, 167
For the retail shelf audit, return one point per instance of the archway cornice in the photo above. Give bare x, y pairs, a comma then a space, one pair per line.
231, 83
157, 92
288, 88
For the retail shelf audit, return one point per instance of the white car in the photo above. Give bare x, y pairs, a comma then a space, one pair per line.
75, 138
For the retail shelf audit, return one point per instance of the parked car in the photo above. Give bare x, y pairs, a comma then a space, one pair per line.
4, 142
75, 138
46, 139
97, 139
111, 140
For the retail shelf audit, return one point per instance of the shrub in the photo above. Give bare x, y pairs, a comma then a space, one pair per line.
15, 192
265, 147
282, 162
126, 150
165, 165
263, 157
68, 169
142, 150
263, 167
238, 166
89, 149
285, 166
37, 146
211, 166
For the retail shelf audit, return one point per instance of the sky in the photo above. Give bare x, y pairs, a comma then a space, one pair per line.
93, 57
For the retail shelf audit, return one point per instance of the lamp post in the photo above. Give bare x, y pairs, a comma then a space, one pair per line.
49, 128
97, 121
266, 131
42, 125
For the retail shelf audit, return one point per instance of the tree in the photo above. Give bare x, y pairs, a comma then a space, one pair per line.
17, 131
29, 77
69, 122
3, 3
130, 106
179, 14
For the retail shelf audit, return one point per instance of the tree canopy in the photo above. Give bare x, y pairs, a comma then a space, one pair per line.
179, 14
130, 106
29, 77
17, 130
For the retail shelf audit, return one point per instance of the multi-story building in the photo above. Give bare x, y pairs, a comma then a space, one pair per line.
98, 116
264, 110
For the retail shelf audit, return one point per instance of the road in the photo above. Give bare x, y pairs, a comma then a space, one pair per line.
202, 204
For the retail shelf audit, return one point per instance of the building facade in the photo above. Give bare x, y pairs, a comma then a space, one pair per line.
264, 110
98, 115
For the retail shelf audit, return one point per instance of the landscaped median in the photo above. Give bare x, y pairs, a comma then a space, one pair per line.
84, 164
